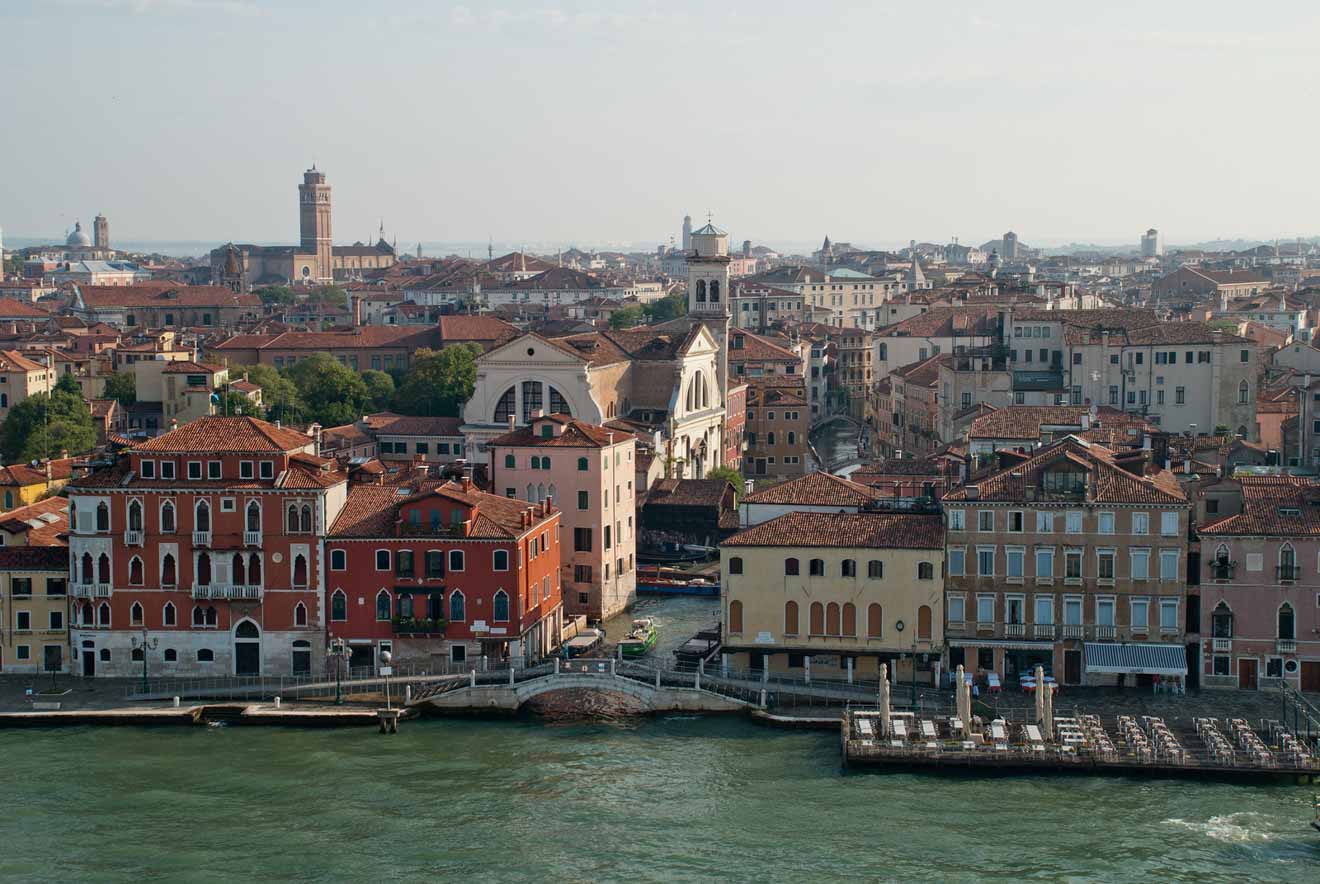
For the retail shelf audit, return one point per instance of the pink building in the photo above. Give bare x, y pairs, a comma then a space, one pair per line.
588, 471
1260, 586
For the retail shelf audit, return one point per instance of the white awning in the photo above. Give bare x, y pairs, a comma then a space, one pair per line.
1135, 659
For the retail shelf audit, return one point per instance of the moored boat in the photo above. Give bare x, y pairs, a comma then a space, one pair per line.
584, 643
640, 639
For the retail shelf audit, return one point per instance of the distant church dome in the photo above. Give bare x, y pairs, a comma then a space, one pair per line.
78, 239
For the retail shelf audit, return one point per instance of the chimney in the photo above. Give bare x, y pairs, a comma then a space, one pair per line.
538, 414
511, 423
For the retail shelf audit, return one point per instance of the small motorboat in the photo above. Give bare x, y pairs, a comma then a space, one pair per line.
583, 643
640, 639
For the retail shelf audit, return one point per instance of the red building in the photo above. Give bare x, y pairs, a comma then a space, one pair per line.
206, 542
735, 425
443, 570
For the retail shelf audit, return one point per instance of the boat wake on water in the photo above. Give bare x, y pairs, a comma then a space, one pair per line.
1233, 828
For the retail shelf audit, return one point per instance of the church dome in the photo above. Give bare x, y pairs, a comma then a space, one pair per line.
78, 239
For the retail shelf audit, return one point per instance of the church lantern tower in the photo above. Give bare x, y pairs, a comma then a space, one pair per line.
314, 224
708, 292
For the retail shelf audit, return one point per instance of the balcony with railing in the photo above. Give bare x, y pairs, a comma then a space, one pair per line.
1015, 630
132, 538
201, 538
1043, 631
102, 590
81, 590
1072, 630
1221, 644
1222, 570
1287, 573
252, 538
1285, 646
1106, 633
205, 591
246, 591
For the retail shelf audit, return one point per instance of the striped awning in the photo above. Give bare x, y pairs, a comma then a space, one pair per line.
1135, 659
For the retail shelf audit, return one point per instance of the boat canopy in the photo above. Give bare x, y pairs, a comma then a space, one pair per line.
1135, 659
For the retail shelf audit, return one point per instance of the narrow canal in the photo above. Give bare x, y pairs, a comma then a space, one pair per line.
836, 443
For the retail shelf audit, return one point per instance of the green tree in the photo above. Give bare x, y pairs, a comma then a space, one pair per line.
729, 474
233, 404
332, 295
380, 388
438, 383
278, 394
42, 426
627, 317
122, 386
277, 295
667, 308
331, 392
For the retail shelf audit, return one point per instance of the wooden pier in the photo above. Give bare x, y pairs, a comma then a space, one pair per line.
1127, 746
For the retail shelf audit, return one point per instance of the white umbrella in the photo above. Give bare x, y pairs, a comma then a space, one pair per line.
884, 700
1048, 723
964, 704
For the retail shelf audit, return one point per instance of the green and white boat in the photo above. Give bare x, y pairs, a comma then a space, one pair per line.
641, 639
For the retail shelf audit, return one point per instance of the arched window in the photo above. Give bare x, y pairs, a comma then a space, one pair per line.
253, 516
558, 404
735, 616
690, 399
551, 493
212, 619
540, 492
1244, 393
500, 560
736, 565
1287, 562
816, 619
338, 605
103, 569
87, 572
702, 400
531, 493
875, 569
135, 577
102, 517
875, 621
135, 614
238, 571
791, 567
701, 291
790, 618
504, 409
135, 515
300, 614
198, 618
457, 608
136, 655
169, 615
816, 568
848, 568
510, 462
306, 520
382, 605
88, 615
792, 438
171, 655
1287, 623
923, 623
204, 569
103, 614
770, 438
582, 464
167, 518
832, 619
849, 619
501, 606
168, 571
300, 570
925, 571
203, 517
714, 290
1221, 622
254, 569
205, 655
291, 519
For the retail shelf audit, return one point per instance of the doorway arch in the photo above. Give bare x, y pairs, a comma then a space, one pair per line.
247, 648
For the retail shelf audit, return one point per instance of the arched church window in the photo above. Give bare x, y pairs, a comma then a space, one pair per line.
714, 290
504, 409
701, 290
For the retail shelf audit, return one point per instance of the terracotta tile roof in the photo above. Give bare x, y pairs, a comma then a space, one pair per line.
897, 466
12, 360
756, 348
34, 558
925, 373
475, 328
165, 294
409, 425
221, 434
1268, 507
1107, 482
373, 511
45, 523
14, 309
687, 492
946, 322
359, 338
190, 368
849, 530
814, 489
576, 434
1025, 421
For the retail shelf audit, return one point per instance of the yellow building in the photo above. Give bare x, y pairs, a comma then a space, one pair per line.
34, 609
22, 484
21, 377
835, 594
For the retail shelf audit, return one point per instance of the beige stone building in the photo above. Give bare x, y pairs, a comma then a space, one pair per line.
1071, 557
835, 594
21, 377
35, 609
777, 423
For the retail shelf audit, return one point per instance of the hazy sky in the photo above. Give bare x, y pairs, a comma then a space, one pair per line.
606, 121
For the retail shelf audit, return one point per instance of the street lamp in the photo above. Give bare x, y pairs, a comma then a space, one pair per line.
339, 651
386, 670
145, 645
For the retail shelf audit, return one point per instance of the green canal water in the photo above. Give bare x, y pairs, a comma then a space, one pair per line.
670, 798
